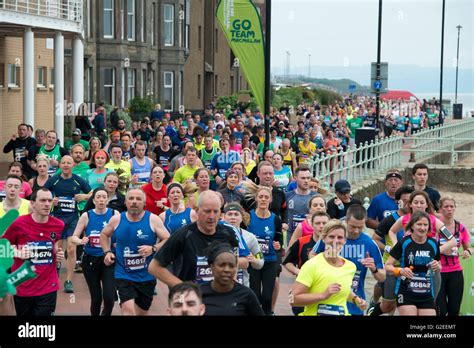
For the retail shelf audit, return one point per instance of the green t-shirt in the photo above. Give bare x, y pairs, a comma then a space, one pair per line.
70, 143
353, 124
184, 173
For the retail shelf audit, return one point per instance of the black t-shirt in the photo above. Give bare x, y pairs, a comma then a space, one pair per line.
434, 196
335, 213
164, 157
240, 301
293, 256
255, 139
410, 253
384, 226
188, 245
20, 148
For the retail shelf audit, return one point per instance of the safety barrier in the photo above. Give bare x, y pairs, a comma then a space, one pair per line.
62, 9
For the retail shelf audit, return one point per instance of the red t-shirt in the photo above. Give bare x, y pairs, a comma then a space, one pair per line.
41, 239
152, 196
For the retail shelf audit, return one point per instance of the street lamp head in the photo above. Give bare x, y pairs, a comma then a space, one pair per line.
459, 27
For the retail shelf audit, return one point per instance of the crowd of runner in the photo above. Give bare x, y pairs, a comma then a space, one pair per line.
198, 203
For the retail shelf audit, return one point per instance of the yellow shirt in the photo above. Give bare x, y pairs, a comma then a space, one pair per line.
23, 210
184, 173
124, 165
306, 151
317, 274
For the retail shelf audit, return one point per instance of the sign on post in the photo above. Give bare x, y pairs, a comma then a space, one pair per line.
379, 84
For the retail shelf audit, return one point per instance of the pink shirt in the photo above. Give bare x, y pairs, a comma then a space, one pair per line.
24, 192
306, 228
450, 263
41, 239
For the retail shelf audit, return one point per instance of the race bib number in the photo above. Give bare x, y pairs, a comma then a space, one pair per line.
298, 218
134, 262
330, 310
355, 281
41, 253
203, 270
240, 276
420, 284
67, 204
264, 245
20, 153
94, 239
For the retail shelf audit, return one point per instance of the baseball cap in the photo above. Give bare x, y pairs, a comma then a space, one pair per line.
393, 174
232, 207
77, 131
281, 122
342, 186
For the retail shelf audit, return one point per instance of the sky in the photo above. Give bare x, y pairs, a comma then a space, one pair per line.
344, 32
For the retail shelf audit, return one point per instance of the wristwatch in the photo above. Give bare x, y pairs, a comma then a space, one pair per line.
376, 271
153, 248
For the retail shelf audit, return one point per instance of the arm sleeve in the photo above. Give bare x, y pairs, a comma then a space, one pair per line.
9, 146
292, 255
384, 226
372, 211
374, 251
396, 251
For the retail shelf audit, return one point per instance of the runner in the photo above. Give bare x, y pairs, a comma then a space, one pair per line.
36, 237
229, 187
233, 216
96, 177
187, 171
223, 161
177, 215
223, 295
99, 277
12, 200
338, 206
185, 299
42, 166
15, 169
53, 150
190, 242
420, 178
116, 200
452, 280
419, 257
141, 165
156, 192
207, 154
361, 250
68, 189
283, 175
317, 204
323, 285
138, 234
267, 227
20, 145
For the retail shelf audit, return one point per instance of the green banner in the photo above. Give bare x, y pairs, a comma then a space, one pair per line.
240, 22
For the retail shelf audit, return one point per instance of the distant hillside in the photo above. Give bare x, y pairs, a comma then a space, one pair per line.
338, 85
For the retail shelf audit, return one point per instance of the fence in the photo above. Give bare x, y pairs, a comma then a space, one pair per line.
62, 9
441, 139
373, 159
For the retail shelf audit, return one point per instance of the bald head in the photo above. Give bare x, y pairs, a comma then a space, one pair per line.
209, 211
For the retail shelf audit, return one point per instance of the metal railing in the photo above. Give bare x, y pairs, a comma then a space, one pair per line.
440, 139
373, 159
359, 162
62, 9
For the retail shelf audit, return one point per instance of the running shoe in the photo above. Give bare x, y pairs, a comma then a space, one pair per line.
68, 288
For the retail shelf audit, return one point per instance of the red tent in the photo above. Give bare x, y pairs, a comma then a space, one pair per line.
394, 95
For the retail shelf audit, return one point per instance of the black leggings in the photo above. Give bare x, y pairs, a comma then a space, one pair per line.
262, 282
101, 282
450, 295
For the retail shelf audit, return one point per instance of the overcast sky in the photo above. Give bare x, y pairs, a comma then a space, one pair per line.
344, 32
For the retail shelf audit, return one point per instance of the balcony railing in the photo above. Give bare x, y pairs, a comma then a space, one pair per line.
70, 10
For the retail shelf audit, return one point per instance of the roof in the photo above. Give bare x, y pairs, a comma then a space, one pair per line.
393, 94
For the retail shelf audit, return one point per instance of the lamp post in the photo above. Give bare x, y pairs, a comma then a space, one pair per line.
379, 52
457, 66
441, 116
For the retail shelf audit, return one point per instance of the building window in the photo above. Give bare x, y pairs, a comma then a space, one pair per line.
41, 77
132, 77
131, 20
108, 19
199, 37
142, 21
13, 75
169, 25
51, 79
199, 87
181, 88
152, 33
152, 83
181, 26
2, 74
109, 86
122, 19
143, 90
168, 90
